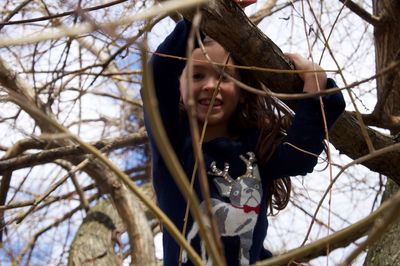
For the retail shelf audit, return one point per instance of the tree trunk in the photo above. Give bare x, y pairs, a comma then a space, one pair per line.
387, 43
130, 210
387, 51
386, 251
99, 233
95, 240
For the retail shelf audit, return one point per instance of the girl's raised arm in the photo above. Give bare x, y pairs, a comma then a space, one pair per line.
297, 153
166, 72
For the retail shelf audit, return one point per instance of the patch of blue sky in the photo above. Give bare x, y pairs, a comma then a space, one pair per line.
51, 248
21, 237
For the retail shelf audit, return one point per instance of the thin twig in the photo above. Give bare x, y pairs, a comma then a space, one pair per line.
85, 28
49, 200
24, 21
14, 12
51, 189
30, 244
381, 225
69, 167
358, 114
375, 153
201, 169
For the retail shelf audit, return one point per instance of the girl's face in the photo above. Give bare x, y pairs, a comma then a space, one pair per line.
204, 81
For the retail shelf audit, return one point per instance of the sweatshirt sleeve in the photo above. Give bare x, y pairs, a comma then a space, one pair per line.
166, 72
305, 134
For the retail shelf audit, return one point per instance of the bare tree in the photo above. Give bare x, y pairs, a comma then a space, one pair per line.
71, 71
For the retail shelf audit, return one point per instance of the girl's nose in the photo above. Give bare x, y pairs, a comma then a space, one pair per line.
210, 84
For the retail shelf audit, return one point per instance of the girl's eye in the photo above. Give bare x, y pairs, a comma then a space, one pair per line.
224, 78
197, 76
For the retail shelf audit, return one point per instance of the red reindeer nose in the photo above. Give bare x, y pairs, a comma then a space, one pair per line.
244, 3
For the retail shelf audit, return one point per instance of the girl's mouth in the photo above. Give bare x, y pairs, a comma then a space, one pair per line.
207, 102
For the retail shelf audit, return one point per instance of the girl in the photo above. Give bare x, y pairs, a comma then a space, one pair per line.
247, 155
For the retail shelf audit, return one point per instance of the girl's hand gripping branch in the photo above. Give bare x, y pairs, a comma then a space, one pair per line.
314, 79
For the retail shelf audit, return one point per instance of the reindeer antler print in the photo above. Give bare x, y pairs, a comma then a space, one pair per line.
215, 171
249, 164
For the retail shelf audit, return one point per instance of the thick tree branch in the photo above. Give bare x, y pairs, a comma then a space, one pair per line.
346, 137
390, 122
387, 51
226, 22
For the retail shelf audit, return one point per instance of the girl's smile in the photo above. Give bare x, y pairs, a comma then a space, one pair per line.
205, 103
204, 82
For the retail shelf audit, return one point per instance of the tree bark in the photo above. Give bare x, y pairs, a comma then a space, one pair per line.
96, 237
101, 230
386, 251
226, 22
130, 211
387, 50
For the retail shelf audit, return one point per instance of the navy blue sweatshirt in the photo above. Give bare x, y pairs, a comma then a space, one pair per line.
237, 183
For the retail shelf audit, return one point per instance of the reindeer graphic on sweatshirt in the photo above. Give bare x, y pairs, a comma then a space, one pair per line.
239, 217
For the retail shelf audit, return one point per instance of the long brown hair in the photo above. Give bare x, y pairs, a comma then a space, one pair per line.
271, 119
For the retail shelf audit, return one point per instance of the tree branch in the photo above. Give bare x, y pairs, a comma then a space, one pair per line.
264, 11
47, 156
347, 128
15, 150
226, 22
361, 12
6, 22
14, 12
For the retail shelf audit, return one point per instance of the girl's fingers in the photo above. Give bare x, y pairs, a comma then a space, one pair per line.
313, 81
